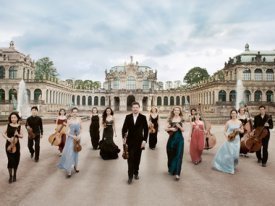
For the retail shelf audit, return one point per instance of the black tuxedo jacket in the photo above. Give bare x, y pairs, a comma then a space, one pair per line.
259, 121
137, 132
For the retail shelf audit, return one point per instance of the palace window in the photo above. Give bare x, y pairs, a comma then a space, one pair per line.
12, 94
172, 101
102, 101
2, 72
232, 96
258, 96
247, 74
96, 101
89, 100
83, 100
269, 96
183, 100
177, 100
2, 95
165, 101
247, 96
12, 73
78, 100
73, 98
37, 94
222, 96
269, 75
159, 101
145, 84
258, 75
116, 83
131, 83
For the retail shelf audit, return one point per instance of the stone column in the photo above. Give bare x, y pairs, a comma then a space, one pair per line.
6, 72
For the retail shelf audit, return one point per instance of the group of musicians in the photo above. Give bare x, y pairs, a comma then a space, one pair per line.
135, 132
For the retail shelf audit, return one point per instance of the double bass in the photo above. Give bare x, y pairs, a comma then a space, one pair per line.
56, 138
210, 139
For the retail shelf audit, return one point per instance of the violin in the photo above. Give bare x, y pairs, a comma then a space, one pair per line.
151, 128
125, 154
231, 137
12, 147
31, 134
56, 138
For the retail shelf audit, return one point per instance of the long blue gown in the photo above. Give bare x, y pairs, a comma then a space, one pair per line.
174, 148
69, 157
227, 157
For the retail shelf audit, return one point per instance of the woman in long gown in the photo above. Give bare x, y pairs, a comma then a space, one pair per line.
153, 121
108, 149
243, 117
175, 143
227, 157
61, 120
69, 158
13, 133
94, 128
197, 139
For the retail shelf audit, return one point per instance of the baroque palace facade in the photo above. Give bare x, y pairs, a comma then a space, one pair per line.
133, 82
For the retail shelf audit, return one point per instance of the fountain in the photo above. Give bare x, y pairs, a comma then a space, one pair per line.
23, 106
240, 94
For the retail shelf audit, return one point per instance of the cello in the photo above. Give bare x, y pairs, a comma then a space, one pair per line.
210, 139
254, 142
56, 138
247, 129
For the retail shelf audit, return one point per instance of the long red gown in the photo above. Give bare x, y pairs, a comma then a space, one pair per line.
197, 141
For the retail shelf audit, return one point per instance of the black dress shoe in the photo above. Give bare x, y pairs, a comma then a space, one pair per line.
136, 177
264, 165
69, 175
31, 155
130, 180
14, 179
259, 161
10, 180
36, 160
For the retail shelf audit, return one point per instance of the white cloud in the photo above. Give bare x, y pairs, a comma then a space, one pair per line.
84, 38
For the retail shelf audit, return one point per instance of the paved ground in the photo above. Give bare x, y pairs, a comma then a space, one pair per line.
104, 182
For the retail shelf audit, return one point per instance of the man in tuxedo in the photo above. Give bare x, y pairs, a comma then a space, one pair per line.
134, 134
263, 120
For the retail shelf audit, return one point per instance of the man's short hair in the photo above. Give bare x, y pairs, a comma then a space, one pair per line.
35, 108
262, 106
135, 103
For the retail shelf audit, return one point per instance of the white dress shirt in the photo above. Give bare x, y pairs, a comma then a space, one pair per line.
135, 118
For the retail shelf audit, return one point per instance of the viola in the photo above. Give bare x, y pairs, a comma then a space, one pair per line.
231, 137
77, 145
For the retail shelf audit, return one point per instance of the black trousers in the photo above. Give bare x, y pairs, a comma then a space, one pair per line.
263, 150
133, 161
36, 150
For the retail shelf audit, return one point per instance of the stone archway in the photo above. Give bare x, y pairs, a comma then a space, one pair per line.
117, 103
130, 100
144, 103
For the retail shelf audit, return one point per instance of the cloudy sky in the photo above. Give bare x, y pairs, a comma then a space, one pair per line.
85, 37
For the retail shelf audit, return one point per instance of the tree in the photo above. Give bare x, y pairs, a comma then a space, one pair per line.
44, 68
195, 75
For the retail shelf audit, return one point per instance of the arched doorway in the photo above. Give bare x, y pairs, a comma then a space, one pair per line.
117, 102
144, 103
130, 100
